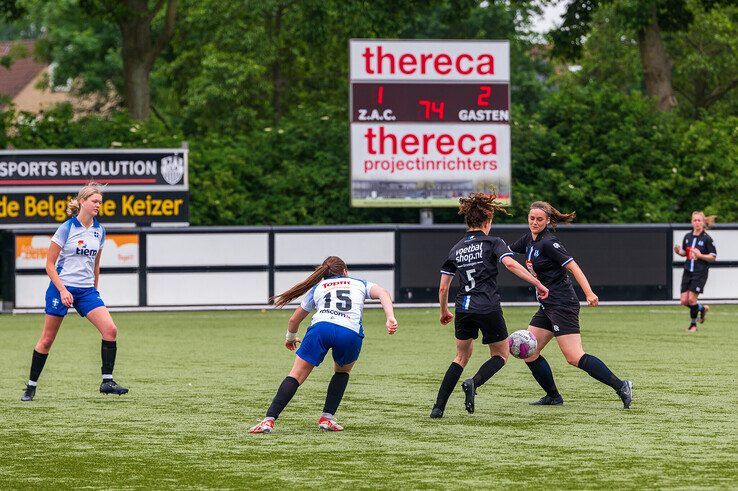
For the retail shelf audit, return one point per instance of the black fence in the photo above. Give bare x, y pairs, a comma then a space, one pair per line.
622, 262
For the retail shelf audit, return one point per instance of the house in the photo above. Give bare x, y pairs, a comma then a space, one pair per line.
20, 82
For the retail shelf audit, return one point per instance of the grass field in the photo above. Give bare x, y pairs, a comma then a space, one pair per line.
199, 380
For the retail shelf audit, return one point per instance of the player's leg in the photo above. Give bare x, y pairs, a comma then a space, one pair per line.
494, 334
315, 345
52, 323
301, 369
333, 397
686, 300
701, 308
464, 348
693, 309
100, 317
571, 347
541, 370
542, 329
346, 348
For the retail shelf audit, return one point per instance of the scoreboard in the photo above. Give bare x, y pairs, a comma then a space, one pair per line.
430, 121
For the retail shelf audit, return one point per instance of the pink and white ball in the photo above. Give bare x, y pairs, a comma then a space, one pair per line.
522, 344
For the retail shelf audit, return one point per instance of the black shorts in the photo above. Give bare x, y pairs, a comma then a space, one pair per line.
558, 319
693, 282
467, 326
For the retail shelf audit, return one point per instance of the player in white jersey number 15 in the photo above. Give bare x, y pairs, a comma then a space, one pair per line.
336, 325
73, 265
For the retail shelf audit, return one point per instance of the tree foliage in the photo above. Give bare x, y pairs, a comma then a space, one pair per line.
259, 91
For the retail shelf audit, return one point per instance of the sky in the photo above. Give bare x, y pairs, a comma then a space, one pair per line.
551, 17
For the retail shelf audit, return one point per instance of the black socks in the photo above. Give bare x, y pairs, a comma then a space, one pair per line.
284, 394
37, 365
489, 368
336, 388
541, 371
107, 352
449, 382
598, 370
693, 311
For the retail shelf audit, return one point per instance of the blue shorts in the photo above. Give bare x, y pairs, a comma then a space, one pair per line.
322, 336
85, 300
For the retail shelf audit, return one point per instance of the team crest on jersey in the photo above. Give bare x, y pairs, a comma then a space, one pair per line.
535, 253
96, 235
172, 169
701, 243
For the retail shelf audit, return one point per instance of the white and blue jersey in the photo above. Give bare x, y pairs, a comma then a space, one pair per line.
79, 249
339, 300
336, 326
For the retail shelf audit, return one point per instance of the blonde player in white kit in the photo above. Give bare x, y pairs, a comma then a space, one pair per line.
336, 325
77, 244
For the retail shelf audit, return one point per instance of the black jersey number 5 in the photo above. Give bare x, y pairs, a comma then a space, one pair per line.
344, 305
470, 286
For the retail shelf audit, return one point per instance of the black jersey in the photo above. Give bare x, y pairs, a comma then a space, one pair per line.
702, 243
476, 257
545, 258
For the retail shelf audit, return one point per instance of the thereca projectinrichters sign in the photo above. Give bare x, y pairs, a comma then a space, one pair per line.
141, 185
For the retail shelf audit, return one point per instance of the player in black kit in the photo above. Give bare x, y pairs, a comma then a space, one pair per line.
700, 251
558, 315
475, 258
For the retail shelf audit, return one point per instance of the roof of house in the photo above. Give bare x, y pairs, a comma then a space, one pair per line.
22, 70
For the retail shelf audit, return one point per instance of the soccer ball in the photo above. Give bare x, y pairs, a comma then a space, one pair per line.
522, 344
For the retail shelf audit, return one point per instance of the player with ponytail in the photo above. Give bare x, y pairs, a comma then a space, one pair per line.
339, 302
78, 245
699, 249
478, 308
558, 315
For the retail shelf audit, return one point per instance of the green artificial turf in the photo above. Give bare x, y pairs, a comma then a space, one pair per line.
199, 380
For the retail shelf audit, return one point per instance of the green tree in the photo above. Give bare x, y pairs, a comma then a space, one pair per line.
100, 43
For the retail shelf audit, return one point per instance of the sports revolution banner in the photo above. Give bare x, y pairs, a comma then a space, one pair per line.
141, 186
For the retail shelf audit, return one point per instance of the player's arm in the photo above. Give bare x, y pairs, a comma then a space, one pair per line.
679, 251
51, 257
377, 292
578, 274
710, 254
443, 288
97, 267
290, 339
519, 271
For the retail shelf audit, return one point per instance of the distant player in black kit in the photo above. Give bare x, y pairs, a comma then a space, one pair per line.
558, 315
475, 258
700, 251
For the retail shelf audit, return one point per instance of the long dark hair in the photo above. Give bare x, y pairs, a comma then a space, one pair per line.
555, 215
478, 208
332, 266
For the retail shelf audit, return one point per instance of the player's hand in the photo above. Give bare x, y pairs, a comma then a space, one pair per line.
696, 254
391, 325
678, 249
292, 344
593, 300
542, 291
66, 297
446, 317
